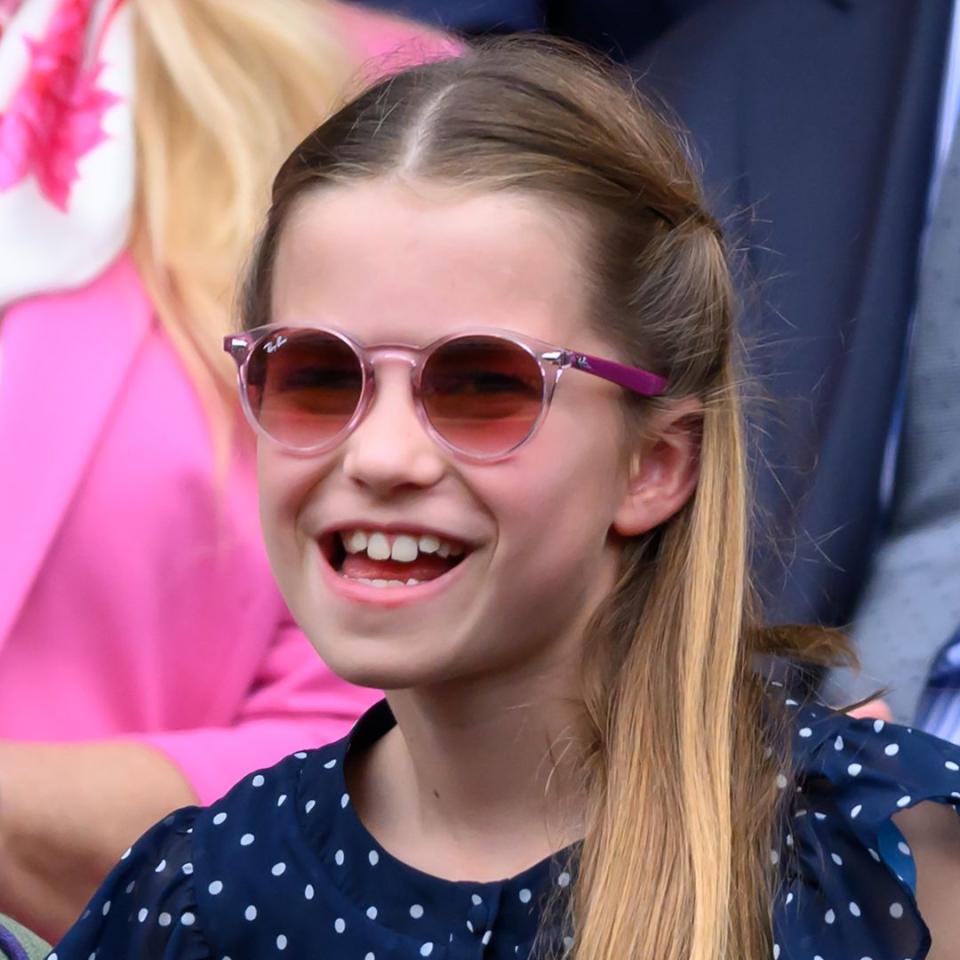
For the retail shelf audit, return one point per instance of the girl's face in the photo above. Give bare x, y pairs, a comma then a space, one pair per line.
534, 533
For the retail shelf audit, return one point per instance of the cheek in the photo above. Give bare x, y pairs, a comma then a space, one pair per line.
284, 484
556, 506
276, 527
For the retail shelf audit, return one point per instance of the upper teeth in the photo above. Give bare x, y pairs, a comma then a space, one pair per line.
401, 547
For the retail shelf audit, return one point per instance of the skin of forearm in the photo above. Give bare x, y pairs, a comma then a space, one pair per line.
67, 812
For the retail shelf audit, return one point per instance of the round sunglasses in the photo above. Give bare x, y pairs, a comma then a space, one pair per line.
481, 394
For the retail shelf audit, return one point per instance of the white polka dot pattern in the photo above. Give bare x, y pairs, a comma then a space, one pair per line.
854, 775
256, 877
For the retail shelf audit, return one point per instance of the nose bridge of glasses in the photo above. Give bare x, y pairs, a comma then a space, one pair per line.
390, 438
383, 395
394, 353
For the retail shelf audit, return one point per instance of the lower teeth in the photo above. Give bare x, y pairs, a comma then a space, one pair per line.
387, 583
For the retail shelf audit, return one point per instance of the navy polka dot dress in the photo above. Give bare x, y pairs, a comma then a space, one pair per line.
283, 867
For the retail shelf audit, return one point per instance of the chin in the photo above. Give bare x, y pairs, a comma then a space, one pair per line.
383, 664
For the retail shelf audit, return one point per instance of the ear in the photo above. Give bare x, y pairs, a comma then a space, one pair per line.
663, 469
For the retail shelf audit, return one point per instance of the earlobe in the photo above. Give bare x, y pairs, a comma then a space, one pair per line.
663, 470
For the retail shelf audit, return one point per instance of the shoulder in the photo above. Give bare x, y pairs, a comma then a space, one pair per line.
890, 766
146, 907
192, 886
264, 812
849, 875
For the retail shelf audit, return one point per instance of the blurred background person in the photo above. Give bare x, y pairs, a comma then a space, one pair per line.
146, 658
620, 29
828, 133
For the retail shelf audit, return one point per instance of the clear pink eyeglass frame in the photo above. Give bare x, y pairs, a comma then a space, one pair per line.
551, 360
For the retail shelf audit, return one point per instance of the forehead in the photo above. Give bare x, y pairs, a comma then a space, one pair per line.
389, 261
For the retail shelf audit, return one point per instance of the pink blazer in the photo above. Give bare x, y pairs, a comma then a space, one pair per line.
135, 595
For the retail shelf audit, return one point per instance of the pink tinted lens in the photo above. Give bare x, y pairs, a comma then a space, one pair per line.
483, 394
303, 386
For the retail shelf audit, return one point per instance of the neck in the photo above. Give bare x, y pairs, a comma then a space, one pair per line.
476, 782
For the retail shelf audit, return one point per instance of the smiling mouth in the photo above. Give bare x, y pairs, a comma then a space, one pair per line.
391, 560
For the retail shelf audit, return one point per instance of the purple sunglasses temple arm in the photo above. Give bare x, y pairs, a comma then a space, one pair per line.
632, 378
643, 382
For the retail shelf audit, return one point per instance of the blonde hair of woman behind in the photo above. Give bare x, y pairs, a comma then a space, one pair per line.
225, 88
679, 761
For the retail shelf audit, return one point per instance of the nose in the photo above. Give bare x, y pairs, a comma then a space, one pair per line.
390, 450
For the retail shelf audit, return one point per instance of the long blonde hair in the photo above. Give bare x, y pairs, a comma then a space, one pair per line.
675, 864
225, 88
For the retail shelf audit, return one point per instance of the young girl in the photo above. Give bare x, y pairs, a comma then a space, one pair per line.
138, 140
488, 355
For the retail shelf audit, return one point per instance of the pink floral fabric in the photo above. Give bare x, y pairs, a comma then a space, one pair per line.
67, 144
56, 116
7, 9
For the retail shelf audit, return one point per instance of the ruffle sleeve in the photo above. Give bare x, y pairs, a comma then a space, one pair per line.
848, 876
146, 907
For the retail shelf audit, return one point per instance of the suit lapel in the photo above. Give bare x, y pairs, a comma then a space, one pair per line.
64, 361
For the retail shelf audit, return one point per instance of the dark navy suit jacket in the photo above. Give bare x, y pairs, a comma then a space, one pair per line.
816, 122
